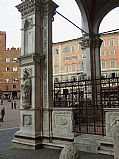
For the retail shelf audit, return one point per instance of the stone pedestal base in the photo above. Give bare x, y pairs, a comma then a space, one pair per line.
27, 141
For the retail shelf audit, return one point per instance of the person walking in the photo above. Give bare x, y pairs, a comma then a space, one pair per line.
2, 114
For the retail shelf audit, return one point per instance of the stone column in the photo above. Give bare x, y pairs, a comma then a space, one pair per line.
36, 70
92, 69
91, 50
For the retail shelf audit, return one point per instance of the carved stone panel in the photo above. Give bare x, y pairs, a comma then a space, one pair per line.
27, 120
62, 123
111, 119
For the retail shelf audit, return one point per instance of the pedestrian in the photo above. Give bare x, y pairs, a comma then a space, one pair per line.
15, 104
2, 114
12, 104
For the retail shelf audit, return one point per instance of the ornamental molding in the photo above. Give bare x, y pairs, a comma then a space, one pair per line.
35, 6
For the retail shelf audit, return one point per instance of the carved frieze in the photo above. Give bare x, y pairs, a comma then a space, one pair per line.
42, 8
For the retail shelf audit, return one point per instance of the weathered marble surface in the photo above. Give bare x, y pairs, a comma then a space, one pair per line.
70, 152
116, 140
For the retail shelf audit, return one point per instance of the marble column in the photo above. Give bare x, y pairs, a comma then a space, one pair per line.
36, 70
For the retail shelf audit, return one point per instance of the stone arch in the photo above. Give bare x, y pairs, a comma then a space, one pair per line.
85, 22
103, 12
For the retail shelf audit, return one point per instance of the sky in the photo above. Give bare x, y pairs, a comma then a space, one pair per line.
10, 21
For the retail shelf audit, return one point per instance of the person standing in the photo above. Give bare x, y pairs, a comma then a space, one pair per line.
2, 114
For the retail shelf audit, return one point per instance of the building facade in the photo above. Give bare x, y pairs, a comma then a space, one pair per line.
67, 62
109, 54
9, 69
68, 58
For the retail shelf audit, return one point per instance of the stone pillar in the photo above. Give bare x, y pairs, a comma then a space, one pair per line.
91, 50
92, 69
36, 70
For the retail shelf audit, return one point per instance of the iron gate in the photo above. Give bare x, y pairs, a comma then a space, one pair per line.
88, 114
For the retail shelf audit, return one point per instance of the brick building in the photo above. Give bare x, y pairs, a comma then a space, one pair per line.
9, 69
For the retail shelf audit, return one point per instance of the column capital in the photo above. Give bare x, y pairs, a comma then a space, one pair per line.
91, 40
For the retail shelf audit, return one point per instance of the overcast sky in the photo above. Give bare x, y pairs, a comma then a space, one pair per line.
10, 21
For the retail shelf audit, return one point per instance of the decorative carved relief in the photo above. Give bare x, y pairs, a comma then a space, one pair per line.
27, 120
91, 41
26, 89
61, 119
45, 54
111, 120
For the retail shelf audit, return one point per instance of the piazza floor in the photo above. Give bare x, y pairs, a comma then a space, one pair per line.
7, 131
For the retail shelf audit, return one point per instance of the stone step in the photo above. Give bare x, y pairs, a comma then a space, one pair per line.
106, 147
56, 144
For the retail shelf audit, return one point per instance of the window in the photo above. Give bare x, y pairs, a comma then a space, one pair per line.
14, 69
56, 51
81, 67
6, 80
67, 58
112, 52
14, 80
7, 87
103, 53
56, 69
111, 42
73, 67
56, 80
14, 86
66, 68
7, 69
112, 63
73, 49
7, 60
66, 49
56, 59
103, 64
74, 57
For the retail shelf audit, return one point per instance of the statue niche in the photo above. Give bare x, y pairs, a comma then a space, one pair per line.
28, 36
26, 90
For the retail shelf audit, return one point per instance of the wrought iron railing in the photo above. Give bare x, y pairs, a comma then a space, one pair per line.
88, 98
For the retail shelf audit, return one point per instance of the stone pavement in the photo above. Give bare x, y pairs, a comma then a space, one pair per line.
12, 116
7, 152
7, 131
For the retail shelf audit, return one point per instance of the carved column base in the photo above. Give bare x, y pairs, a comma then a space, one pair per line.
27, 141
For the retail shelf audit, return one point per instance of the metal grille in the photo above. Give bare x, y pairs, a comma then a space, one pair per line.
88, 98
